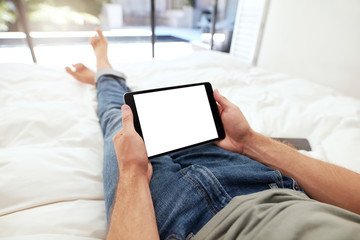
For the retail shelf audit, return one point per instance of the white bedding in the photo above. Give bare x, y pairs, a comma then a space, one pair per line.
51, 141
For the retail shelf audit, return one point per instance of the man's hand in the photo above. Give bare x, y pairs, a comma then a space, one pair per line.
130, 149
237, 129
322, 181
133, 216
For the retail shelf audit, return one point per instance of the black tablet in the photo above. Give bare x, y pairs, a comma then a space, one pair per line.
175, 118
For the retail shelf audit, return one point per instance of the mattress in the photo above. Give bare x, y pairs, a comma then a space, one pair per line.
51, 142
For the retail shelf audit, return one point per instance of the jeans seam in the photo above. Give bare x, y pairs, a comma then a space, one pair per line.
110, 77
279, 179
177, 236
216, 182
202, 191
189, 236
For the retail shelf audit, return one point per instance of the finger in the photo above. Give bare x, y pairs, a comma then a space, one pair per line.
150, 171
220, 108
118, 136
127, 118
218, 143
100, 33
222, 100
120, 132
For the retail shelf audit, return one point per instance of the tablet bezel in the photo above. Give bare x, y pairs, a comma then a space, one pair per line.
129, 100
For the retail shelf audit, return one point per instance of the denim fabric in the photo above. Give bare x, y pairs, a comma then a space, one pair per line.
188, 187
110, 92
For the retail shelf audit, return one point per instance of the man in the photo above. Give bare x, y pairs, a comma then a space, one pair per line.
225, 190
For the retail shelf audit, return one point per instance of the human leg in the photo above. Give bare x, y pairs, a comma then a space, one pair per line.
206, 179
188, 187
111, 87
83, 73
110, 91
238, 174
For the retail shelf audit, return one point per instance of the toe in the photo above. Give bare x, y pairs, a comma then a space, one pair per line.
68, 70
78, 66
93, 40
100, 33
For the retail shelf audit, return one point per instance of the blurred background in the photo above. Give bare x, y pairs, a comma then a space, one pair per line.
59, 29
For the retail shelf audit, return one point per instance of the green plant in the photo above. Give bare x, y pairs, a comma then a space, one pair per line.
50, 15
191, 3
61, 15
86, 6
7, 15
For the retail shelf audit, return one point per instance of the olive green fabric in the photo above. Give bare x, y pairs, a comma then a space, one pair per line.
278, 214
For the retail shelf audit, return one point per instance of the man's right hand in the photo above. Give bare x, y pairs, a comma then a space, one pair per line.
321, 181
237, 129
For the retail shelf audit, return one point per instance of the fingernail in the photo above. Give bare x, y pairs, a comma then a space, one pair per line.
125, 108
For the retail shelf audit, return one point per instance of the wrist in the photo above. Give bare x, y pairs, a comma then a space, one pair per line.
262, 149
132, 173
251, 142
131, 183
245, 141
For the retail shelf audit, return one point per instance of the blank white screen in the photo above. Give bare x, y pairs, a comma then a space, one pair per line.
176, 118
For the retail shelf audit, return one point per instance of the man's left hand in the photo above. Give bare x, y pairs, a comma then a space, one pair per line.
130, 149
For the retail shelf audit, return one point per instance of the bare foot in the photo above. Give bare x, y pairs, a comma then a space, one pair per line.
82, 73
100, 46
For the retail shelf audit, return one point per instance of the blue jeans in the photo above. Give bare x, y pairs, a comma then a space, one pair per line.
188, 187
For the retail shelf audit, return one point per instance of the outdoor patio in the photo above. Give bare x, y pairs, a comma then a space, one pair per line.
125, 45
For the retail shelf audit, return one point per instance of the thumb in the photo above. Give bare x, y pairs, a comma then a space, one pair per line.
224, 103
127, 118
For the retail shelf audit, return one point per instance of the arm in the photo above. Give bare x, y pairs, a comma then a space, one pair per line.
133, 215
322, 181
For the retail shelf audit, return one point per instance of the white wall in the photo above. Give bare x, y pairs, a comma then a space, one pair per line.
315, 39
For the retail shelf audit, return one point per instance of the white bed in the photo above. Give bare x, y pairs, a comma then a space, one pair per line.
51, 142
